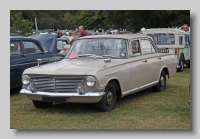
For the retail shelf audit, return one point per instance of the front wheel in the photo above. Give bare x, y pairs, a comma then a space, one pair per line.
40, 104
108, 101
161, 86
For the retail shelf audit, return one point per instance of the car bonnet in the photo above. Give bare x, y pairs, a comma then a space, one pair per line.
47, 40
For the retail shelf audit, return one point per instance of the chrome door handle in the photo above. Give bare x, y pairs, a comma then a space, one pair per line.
144, 61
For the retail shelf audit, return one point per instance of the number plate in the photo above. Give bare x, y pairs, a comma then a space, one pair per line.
53, 99
165, 50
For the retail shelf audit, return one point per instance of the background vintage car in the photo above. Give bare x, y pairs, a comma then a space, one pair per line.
172, 40
99, 69
24, 51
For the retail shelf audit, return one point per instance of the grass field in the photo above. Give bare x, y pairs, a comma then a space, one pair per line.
142, 110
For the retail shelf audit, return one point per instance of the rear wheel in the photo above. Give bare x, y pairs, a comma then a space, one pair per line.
40, 104
161, 86
108, 101
181, 63
188, 64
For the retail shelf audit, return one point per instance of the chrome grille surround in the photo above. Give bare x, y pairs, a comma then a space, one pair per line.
57, 83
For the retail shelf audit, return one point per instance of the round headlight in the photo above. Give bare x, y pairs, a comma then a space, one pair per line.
90, 81
25, 79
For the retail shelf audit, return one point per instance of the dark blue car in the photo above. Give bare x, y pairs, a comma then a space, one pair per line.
24, 51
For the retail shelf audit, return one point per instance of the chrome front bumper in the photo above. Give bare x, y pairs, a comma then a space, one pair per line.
88, 97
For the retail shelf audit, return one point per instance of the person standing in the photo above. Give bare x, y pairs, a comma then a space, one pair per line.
94, 32
118, 31
185, 28
64, 36
74, 37
82, 31
104, 32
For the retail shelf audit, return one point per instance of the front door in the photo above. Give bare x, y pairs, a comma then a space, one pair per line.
18, 63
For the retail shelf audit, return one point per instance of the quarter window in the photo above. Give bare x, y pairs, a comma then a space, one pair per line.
31, 47
147, 47
15, 48
135, 47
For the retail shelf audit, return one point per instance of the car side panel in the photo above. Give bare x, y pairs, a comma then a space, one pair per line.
139, 73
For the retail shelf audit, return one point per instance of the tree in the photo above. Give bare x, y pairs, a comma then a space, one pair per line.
24, 26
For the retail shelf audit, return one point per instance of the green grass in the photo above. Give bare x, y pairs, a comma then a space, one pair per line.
143, 110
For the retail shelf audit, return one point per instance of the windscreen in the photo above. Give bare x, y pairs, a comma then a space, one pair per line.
98, 47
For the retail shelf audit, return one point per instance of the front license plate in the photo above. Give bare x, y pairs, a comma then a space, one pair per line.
53, 99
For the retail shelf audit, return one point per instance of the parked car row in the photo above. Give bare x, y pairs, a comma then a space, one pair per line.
99, 69
24, 51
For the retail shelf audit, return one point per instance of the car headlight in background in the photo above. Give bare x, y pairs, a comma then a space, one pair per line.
25, 79
90, 81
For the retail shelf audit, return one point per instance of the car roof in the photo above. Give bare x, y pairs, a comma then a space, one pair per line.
165, 30
120, 36
21, 37
24, 38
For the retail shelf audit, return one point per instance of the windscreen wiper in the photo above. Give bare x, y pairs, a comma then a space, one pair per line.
110, 56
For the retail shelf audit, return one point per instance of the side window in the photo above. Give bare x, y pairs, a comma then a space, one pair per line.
31, 47
163, 38
135, 47
60, 44
15, 48
180, 40
187, 40
147, 47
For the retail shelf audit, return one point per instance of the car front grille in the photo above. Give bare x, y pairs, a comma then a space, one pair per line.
56, 84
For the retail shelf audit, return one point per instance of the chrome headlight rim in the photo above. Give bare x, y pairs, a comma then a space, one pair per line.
90, 81
25, 79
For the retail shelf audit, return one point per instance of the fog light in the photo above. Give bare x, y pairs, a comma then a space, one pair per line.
32, 87
80, 89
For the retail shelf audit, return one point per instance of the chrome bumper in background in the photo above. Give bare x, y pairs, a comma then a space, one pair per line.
178, 66
87, 97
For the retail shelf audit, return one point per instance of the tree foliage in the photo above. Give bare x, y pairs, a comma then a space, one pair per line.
94, 19
24, 26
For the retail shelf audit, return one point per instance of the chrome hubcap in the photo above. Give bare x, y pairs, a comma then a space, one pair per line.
162, 81
109, 98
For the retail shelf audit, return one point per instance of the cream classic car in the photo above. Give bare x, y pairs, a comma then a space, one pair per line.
99, 69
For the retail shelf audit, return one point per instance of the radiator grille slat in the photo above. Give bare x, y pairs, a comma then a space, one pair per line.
57, 84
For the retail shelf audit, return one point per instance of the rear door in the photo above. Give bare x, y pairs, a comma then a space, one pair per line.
153, 59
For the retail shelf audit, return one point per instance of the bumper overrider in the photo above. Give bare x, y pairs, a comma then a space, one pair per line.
87, 97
